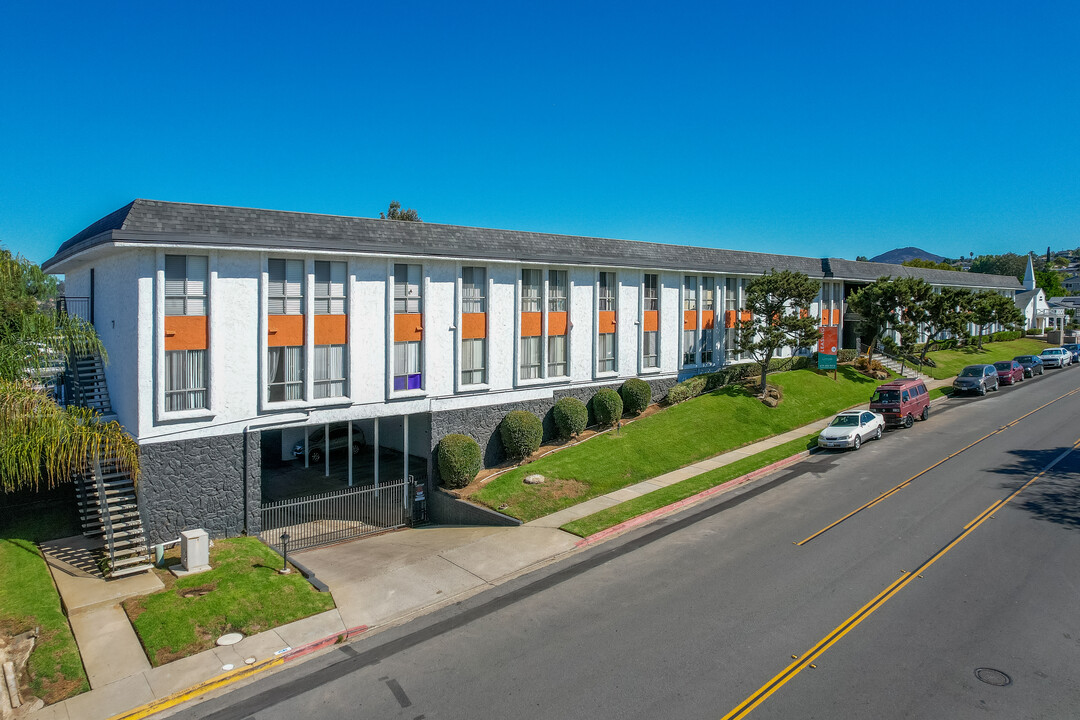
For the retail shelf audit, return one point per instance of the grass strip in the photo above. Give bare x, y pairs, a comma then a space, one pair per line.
950, 362
242, 593
29, 599
612, 516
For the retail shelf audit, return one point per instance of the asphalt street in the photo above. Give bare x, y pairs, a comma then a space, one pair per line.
730, 609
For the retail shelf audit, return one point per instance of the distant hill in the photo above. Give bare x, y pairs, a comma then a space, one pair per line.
899, 255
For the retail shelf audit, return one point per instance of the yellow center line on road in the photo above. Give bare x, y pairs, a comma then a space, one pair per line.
802, 662
919, 474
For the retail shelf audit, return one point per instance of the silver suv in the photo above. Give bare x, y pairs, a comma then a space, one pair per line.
976, 378
339, 439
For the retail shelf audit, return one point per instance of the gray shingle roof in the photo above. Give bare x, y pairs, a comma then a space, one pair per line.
869, 271
1023, 298
185, 224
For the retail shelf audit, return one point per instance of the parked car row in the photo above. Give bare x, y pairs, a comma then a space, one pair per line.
900, 402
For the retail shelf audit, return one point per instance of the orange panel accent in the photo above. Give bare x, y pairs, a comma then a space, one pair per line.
729, 318
557, 323
707, 319
186, 332
285, 330
530, 324
408, 327
744, 315
836, 317
473, 325
607, 322
803, 313
689, 320
652, 322
331, 329
825, 316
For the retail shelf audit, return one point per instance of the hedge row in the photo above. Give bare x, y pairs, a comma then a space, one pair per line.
708, 382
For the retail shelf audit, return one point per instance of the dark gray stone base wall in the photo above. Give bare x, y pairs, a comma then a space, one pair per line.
213, 483
445, 509
482, 423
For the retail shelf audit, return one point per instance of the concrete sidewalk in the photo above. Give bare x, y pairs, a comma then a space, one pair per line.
376, 582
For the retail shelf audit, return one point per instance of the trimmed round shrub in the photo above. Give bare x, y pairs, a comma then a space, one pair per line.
459, 460
606, 407
521, 433
571, 416
677, 394
636, 395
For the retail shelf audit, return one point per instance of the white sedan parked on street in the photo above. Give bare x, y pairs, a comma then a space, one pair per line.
850, 428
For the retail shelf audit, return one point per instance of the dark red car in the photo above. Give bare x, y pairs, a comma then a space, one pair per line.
1009, 372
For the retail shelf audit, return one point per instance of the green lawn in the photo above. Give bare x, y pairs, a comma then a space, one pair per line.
657, 499
28, 599
243, 593
950, 362
705, 426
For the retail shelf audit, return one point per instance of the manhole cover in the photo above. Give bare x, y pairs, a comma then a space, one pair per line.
990, 676
230, 639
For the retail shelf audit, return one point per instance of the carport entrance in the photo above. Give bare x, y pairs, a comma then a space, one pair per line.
362, 481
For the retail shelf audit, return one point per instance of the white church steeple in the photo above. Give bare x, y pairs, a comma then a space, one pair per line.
1029, 276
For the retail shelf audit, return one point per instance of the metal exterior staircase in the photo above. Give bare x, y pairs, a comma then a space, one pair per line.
88, 387
108, 508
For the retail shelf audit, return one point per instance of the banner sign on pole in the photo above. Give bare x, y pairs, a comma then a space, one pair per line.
827, 348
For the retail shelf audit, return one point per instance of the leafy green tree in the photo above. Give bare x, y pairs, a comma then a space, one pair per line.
888, 305
928, 264
779, 306
41, 443
941, 313
1050, 282
1006, 264
396, 213
989, 308
861, 258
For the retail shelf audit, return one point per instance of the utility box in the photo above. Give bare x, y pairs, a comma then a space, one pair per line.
194, 553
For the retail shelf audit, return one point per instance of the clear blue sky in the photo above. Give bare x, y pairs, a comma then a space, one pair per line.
818, 129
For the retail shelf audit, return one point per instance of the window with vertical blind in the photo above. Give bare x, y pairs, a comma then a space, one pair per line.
530, 361
185, 380
330, 288
689, 356
707, 347
651, 293
530, 291
186, 278
557, 289
650, 358
285, 287
407, 364
606, 291
731, 305
286, 373
472, 289
329, 372
472, 361
407, 298
707, 294
557, 366
605, 352
689, 293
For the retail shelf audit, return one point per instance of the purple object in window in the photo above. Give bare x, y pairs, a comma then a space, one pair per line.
399, 382
414, 382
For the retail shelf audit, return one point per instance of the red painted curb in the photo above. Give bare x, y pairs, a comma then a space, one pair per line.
642, 519
308, 648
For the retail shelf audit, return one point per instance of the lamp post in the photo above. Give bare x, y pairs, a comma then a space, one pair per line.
284, 554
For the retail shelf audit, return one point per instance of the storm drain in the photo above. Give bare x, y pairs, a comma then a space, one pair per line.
990, 676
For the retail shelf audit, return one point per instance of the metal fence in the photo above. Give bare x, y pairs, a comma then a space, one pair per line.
330, 517
76, 306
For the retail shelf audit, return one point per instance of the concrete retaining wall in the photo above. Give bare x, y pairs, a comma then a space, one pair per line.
445, 509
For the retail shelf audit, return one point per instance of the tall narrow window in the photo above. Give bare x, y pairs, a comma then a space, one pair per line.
286, 372
605, 352
530, 291
285, 289
606, 292
689, 356
557, 366
185, 380
651, 293
707, 302
472, 289
731, 312
706, 347
407, 363
649, 356
472, 361
185, 284
557, 289
329, 288
689, 293
407, 297
530, 358
329, 371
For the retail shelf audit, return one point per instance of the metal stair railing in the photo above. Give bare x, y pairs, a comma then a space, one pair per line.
902, 363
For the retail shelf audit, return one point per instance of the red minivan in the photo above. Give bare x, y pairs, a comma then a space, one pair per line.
901, 401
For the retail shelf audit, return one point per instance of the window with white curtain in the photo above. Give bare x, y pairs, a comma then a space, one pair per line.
285, 287
407, 288
185, 380
707, 293
472, 289
530, 291
330, 361
651, 293
185, 284
557, 291
330, 288
557, 366
472, 361
407, 364
286, 373
650, 358
530, 358
605, 352
606, 291
689, 356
